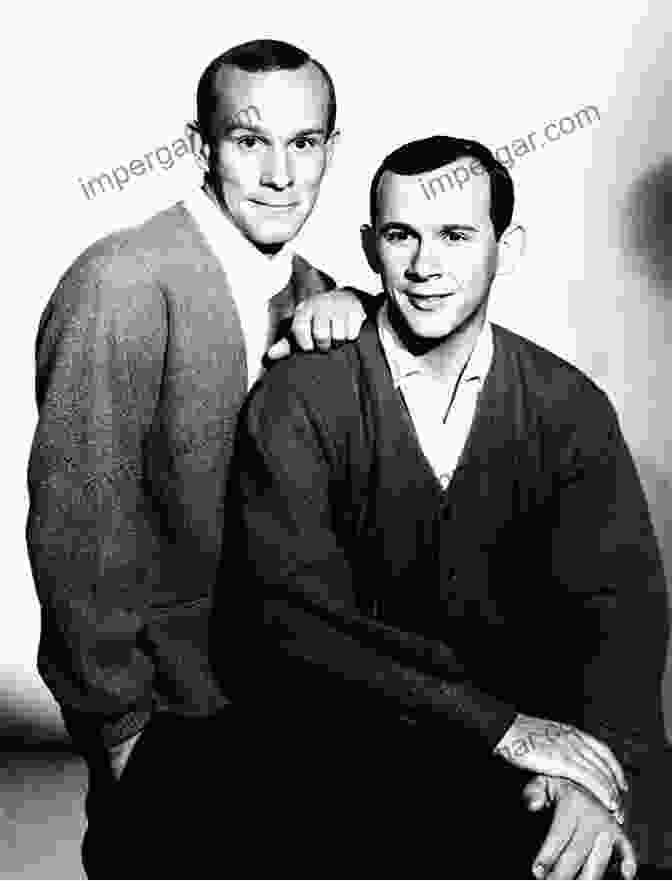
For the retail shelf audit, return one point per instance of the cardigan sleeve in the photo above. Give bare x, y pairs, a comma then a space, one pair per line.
99, 361
318, 645
605, 559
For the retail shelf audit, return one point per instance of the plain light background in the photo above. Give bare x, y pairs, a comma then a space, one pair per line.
91, 86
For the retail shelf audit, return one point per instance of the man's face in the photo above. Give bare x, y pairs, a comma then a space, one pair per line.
270, 150
437, 256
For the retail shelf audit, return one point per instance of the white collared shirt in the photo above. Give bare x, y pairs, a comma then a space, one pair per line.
254, 278
442, 427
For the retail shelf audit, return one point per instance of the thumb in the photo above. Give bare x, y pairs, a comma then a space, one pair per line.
535, 794
279, 350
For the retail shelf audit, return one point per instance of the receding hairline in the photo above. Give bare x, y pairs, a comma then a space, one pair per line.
229, 66
257, 57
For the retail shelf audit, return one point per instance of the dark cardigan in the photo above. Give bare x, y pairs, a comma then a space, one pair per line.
526, 586
140, 377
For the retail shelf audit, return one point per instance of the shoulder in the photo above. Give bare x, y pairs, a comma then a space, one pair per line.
326, 386
121, 272
557, 386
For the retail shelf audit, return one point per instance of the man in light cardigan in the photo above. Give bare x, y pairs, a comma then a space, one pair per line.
145, 354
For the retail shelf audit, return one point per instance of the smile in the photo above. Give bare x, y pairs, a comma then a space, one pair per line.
273, 207
427, 301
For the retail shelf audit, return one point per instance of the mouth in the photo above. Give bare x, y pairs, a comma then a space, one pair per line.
427, 302
275, 206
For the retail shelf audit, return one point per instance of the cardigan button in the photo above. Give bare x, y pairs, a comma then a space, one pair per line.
444, 480
450, 574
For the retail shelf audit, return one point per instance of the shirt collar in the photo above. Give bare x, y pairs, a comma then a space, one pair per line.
243, 263
403, 364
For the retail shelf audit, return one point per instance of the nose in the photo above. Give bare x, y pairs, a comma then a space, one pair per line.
425, 264
278, 171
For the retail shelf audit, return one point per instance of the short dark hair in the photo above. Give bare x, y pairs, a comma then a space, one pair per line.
256, 56
431, 153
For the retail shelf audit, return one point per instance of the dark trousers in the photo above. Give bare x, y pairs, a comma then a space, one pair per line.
178, 810
226, 797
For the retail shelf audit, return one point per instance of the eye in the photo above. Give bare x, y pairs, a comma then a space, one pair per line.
248, 142
455, 235
303, 142
396, 236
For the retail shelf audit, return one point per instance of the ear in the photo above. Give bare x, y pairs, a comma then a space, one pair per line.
330, 146
510, 248
368, 236
199, 147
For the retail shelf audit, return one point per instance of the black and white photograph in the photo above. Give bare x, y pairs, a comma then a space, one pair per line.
337, 472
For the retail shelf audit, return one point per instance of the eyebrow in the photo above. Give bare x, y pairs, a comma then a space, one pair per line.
305, 132
445, 227
260, 130
459, 227
397, 224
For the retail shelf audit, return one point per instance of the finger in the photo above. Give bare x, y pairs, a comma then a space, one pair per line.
302, 328
575, 766
561, 831
572, 858
628, 856
355, 322
354, 325
593, 756
607, 755
595, 782
279, 350
322, 334
339, 329
598, 858
567, 762
535, 794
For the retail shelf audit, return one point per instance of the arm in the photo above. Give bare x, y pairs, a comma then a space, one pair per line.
605, 559
99, 364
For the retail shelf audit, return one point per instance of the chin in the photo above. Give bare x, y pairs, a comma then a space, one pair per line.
270, 237
431, 332
429, 326
277, 233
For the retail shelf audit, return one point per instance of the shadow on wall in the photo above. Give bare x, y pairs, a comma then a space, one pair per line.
647, 224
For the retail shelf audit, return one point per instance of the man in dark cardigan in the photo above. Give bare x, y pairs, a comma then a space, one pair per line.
442, 531
145, 353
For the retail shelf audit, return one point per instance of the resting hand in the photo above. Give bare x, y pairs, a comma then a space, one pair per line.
582, 837
546, 747
322, 321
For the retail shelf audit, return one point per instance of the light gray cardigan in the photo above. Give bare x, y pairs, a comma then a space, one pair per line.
140, 377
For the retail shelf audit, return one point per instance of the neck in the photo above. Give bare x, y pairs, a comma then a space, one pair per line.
445, 357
